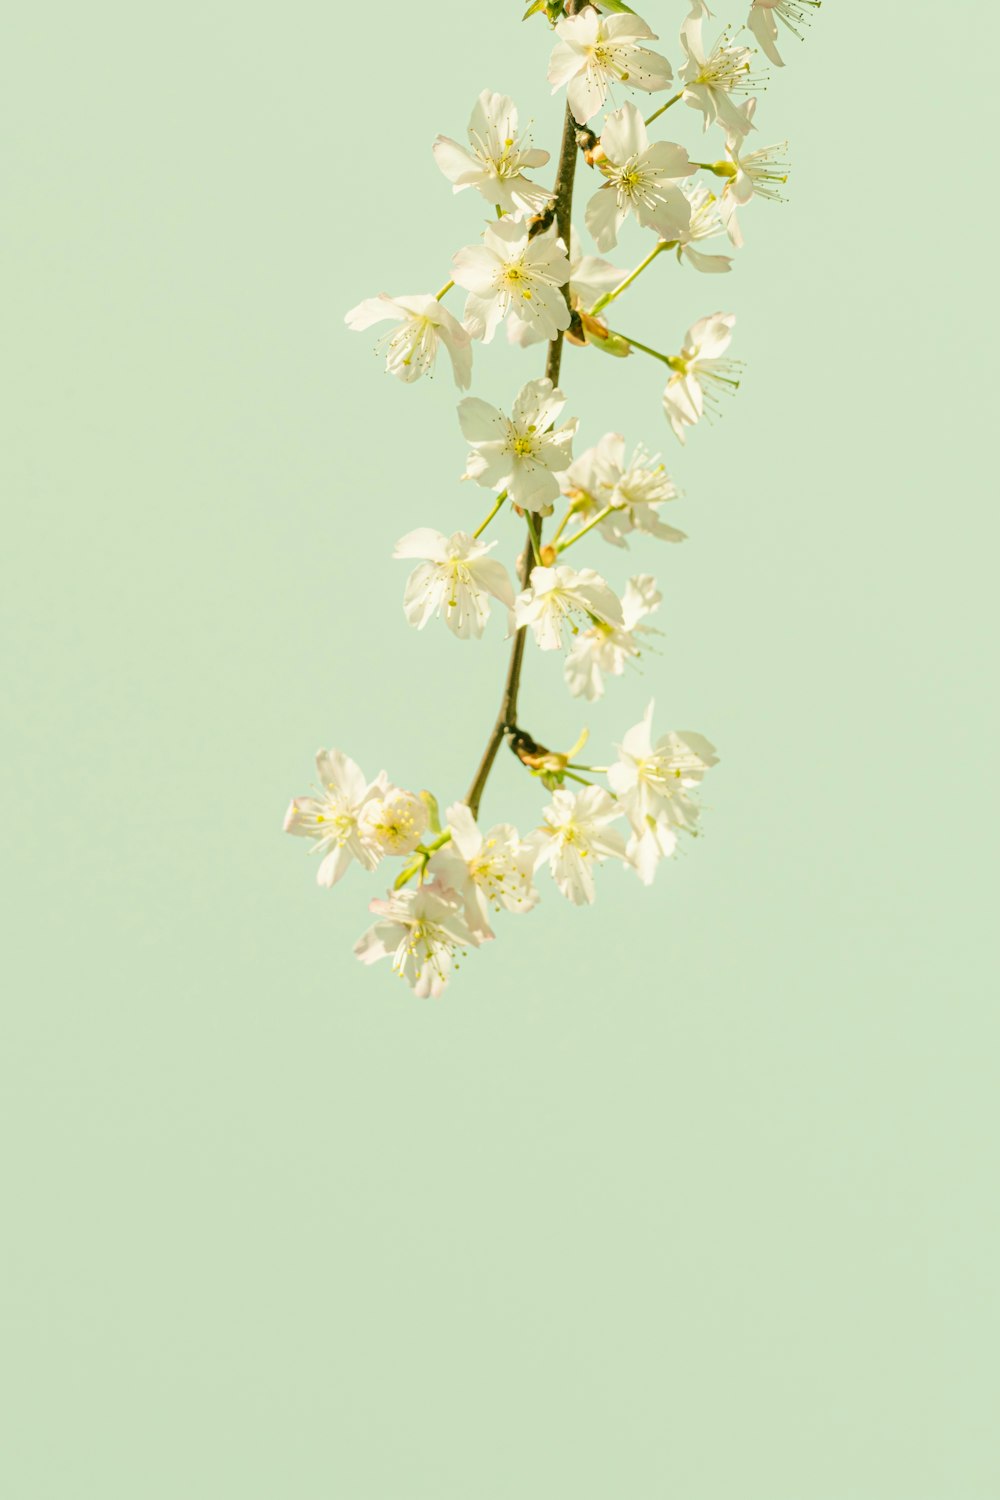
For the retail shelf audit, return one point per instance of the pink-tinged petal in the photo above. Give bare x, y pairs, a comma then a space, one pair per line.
380, 941
300, 819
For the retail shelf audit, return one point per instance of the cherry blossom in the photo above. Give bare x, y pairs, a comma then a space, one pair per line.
590, 277
575, 836
600, 478
605, 649
653, 782
711, 79
454, 581
700, 372
509, 272
421, 325
595, 52
394, 823
641, 180
559, 597
489, 871
421, 931
331, 818
524, 452
495, 164
707, 221
763, 22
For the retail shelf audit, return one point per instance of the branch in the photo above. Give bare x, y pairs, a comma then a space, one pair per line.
507, 716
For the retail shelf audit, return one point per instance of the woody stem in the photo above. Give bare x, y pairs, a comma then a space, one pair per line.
507, 715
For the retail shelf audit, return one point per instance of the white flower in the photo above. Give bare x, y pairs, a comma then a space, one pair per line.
487, 870
759, 174
706, 223
600, 477
559, 596
411, 347
596, 51
521, 453
653, 783
575, 836
331, 818
605, 649
420, 930
642, 180
395, 823
700, 373
495, 164
710, 80
764, 26
454, 581
589, 278
508, 273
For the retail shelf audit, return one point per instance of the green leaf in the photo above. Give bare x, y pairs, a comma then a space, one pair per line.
616, 5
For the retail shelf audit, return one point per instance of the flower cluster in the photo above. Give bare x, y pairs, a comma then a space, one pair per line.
529, 272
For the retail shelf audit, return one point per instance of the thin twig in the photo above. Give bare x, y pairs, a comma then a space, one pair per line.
507, 716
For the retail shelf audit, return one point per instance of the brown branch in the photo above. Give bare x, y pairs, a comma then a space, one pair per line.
507, 716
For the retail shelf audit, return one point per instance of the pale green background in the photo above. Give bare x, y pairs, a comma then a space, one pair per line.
693, 1196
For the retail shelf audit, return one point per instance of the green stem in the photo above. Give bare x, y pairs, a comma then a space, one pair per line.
654, 353
609, 297
562, 526
483, 524
664, 107
534, 532
602, 515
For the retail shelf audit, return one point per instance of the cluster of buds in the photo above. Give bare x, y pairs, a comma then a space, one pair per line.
530, 274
